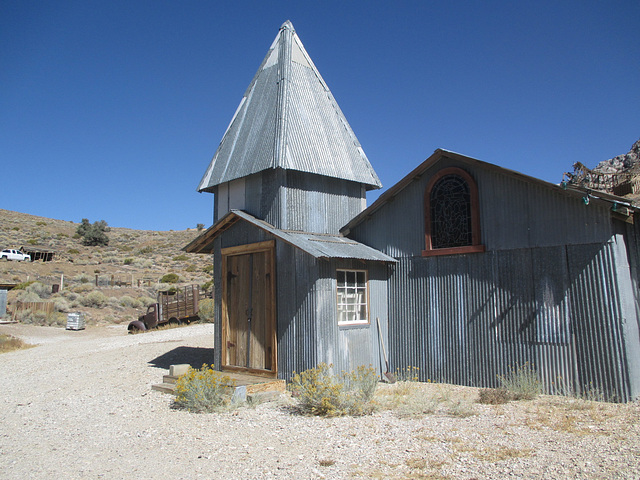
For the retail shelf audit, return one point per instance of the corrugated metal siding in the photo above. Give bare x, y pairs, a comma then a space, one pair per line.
308, 331
289, 119
466, 319
308, 196
513, 214
296, 277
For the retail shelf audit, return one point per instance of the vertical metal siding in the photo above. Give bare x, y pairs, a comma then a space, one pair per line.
467, 319
513, 214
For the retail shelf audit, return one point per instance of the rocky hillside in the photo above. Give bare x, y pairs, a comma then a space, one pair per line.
125, 274
620, 163
619, 175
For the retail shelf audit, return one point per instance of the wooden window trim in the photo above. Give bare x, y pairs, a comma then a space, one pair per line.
476, 246
366, 285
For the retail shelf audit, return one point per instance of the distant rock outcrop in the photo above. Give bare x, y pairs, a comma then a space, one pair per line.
619, 175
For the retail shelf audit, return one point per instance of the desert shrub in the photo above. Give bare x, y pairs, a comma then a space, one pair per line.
62, 235
170, 278
61, 304
142, 262
130, 302
407, 374
128, 261
73, 251
40, 289
206, 310
146, 301
522, 382
94, 299
191, 268
208, 269
203, 390
42, 318
32, 241
16, 229
82, 278
146, 250
207, 285
27, 296
82, 288
9, 343
200, 227
93, 234
23, 285
321, 392
41, 224
180, 258
494, 396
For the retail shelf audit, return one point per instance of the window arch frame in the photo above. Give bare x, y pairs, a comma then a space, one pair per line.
476, 244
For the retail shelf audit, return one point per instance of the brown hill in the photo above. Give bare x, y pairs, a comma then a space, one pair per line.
125, 274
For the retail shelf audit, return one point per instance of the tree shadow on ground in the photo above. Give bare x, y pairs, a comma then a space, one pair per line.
194, 356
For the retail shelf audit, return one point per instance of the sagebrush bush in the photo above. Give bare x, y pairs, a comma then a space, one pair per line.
40, 289
95, 299
42, 318
130, 302
494, 396
61, 304
26, 296
203, 390
522, 382
206, 310
321, 392
170, 278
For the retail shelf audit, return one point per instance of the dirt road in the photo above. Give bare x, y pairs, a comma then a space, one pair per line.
79, 405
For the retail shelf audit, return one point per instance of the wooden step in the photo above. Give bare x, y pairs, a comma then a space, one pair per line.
247, 387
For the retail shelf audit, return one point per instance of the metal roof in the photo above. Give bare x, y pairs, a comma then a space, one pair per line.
317, 245
289, 119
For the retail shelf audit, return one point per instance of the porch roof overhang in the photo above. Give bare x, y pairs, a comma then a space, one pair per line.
324, 246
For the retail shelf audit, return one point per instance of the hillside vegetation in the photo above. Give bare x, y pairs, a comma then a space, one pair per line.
110, 284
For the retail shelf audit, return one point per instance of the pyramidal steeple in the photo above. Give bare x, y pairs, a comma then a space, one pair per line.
288, 119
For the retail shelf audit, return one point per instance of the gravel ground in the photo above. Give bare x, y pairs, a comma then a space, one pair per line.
79, 405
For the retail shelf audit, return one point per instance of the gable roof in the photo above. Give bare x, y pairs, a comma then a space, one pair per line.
624, 212
289, 119
324, 246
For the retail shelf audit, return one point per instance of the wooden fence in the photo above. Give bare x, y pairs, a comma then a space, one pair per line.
46, 307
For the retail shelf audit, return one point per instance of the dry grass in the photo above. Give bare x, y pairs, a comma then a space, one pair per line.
414, 399
139, 255
10, 344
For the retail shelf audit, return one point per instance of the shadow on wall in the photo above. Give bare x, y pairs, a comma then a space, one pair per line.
194, 356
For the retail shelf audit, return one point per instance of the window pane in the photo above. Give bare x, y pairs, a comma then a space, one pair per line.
351, 296
450, 204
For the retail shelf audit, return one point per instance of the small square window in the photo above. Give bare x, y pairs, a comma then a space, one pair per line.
352, 300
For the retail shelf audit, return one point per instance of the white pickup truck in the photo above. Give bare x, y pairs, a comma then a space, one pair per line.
11, 254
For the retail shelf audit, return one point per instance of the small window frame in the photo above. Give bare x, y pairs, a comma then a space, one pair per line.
345, 290
476, 245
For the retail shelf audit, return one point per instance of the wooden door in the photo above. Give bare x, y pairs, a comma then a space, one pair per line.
249, 337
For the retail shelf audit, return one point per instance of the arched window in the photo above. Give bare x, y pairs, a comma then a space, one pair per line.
451, 214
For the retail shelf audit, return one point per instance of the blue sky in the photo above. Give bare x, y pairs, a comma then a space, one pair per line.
113, 109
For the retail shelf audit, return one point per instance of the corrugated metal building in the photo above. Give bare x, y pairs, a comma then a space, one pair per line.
288, 174
470, 268
551, 281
